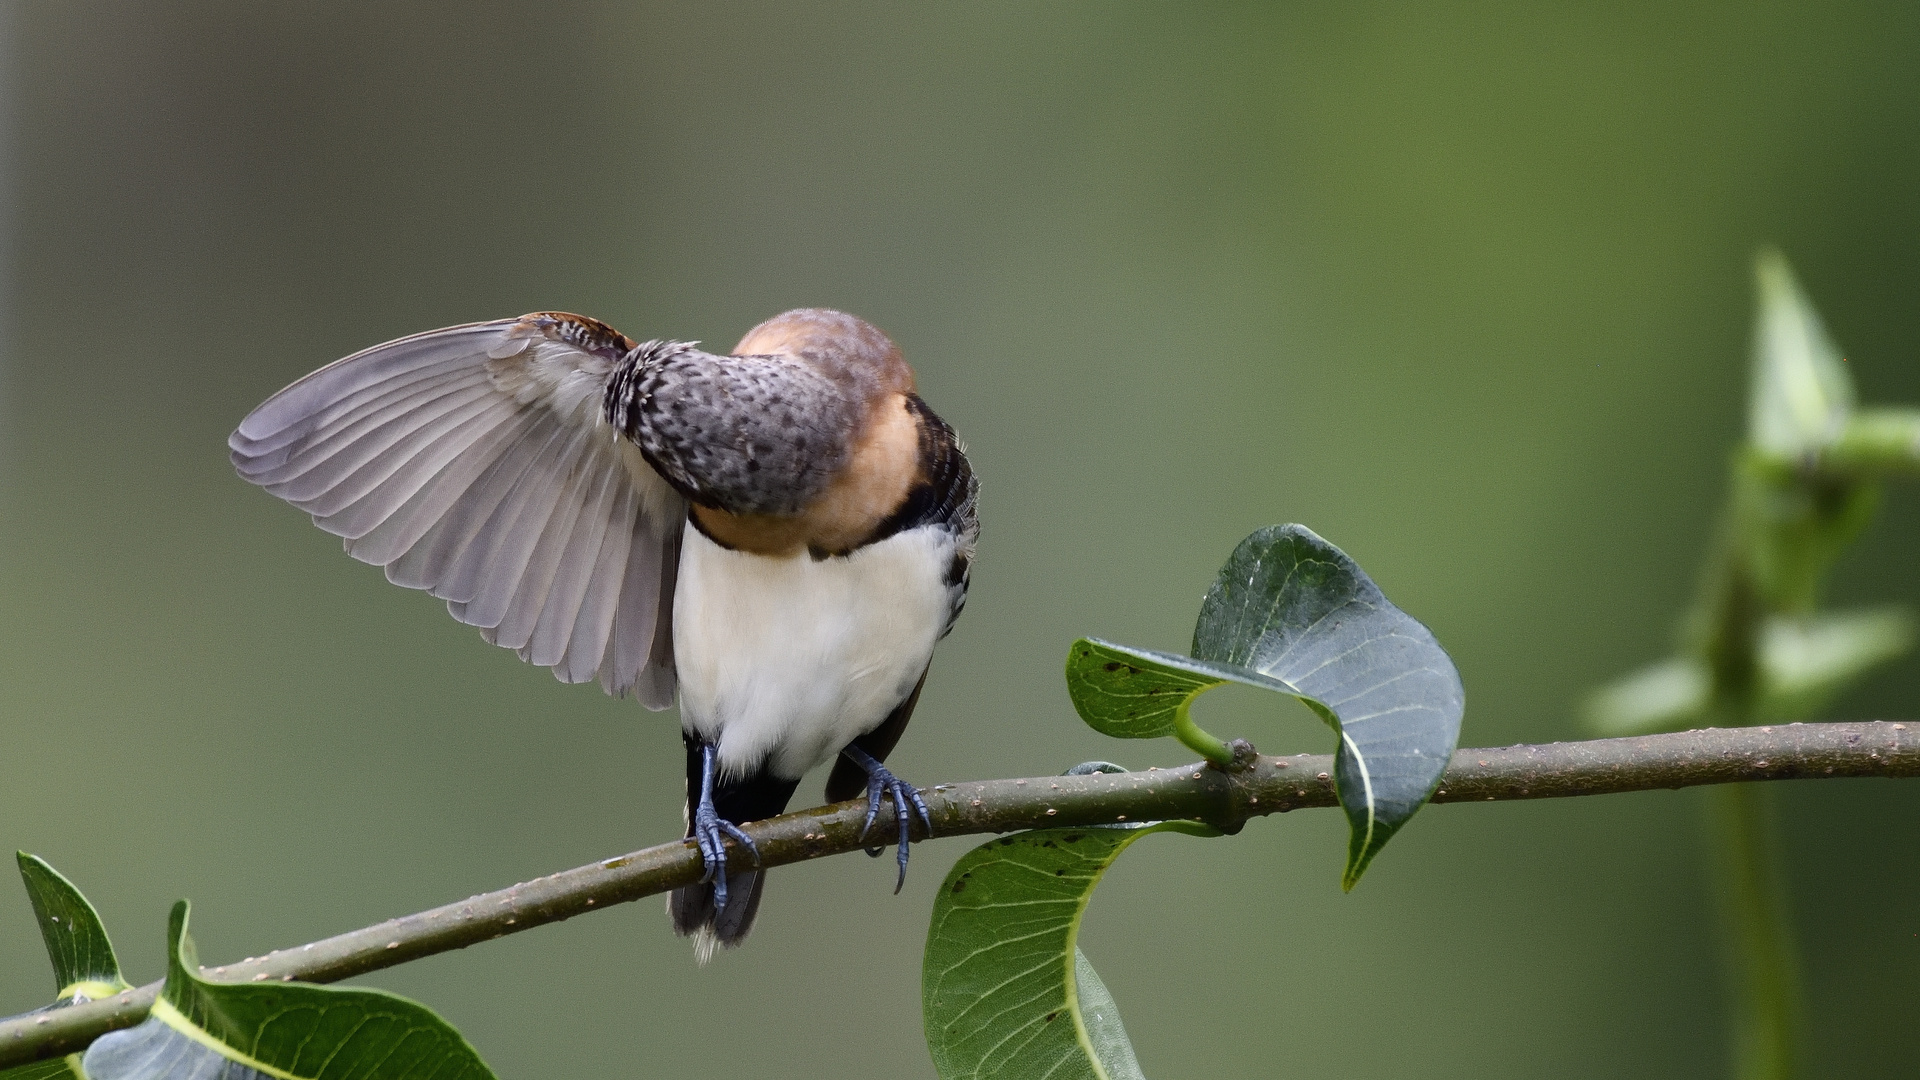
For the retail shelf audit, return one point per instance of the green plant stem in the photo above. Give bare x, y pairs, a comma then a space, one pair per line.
1224, 799
1757, 928
1766, 976
1197, 740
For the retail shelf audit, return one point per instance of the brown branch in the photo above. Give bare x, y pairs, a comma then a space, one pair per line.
1272, 785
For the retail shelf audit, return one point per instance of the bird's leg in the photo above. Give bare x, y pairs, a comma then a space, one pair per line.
710, 832
881, 782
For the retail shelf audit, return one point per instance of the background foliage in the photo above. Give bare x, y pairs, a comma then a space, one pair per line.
1465, 286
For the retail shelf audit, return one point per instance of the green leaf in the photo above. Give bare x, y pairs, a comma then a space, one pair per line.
1292, 613
1291, 606
201, 1030
84, 967
1802, 393
1671, 695
1106, 1035
1002, 984
1804, 663
1878, 442
1131, 693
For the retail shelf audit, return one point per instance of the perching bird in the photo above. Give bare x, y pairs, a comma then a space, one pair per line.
787, 530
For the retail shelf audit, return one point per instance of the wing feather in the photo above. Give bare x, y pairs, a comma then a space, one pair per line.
534, 585
274, 449
346, 477
489, 574
655, 683
547, 645
422, 489
647, 578
430, 563
475, 463
593, 626
318, 399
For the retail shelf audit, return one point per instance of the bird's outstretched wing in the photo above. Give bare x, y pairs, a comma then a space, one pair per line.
476, 463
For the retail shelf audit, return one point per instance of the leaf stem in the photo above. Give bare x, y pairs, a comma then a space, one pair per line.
1196, 739
1223, 799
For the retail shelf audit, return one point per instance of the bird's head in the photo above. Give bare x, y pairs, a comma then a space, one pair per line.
846, 348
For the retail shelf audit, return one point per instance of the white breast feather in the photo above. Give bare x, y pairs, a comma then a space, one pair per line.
784, 661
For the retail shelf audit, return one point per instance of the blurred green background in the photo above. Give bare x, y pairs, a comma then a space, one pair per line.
1463, 286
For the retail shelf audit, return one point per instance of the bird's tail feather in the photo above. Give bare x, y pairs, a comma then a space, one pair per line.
694, 915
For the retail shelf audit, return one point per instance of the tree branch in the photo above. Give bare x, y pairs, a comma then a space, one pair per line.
1269, 785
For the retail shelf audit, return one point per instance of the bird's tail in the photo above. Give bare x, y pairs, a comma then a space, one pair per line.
695, 916
738, 800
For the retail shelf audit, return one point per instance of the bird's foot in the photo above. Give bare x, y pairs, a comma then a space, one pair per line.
881, 783
710, 832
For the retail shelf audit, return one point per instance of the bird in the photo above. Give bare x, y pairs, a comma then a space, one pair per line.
777, 537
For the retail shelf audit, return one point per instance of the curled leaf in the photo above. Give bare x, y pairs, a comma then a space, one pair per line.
1291, 613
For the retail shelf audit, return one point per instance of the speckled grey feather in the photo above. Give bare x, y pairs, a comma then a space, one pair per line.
745, 434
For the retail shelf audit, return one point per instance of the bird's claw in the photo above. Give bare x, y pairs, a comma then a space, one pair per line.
881, 783
710, 832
